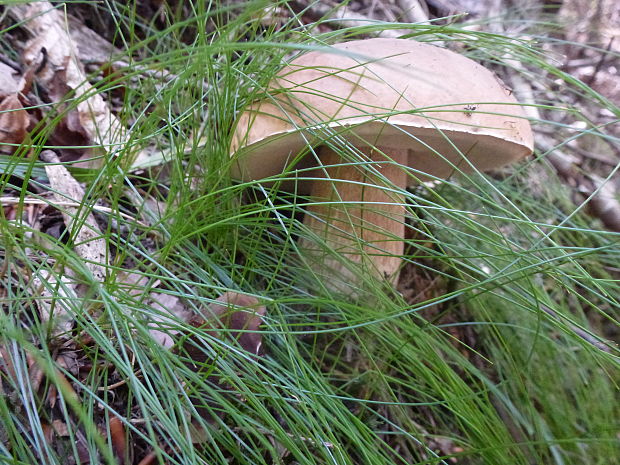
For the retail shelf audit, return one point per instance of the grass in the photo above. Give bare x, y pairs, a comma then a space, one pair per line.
498, 362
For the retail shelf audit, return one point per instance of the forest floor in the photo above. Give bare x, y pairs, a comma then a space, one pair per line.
156, 311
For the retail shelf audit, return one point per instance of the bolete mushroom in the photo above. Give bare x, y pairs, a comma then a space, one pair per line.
394, 103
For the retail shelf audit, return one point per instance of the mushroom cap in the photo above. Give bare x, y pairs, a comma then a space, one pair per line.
389, 94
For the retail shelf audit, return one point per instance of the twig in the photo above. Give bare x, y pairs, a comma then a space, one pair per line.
590, 80
13, 64
585, 335
603, 197
604, 204
59, 204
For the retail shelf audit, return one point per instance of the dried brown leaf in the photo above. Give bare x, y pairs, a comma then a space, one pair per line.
48, 432
14, 121
117, 438
81, 444
48, 27
35, 373
60, 428
69, 133
241, 313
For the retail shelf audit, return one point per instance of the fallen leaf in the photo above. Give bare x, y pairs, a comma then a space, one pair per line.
48, 27
8, 83
238, 312
117, 438
60, 428
48, 432
91, 47
52, 294
88, 240
172, 309
69, 133
14, 122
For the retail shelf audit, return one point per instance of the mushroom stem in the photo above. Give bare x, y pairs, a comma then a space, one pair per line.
362, 219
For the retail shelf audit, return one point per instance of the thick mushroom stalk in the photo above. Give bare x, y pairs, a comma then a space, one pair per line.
359, 216
421, 106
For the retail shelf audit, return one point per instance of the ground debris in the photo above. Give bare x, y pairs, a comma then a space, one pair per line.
88, 241
61, 72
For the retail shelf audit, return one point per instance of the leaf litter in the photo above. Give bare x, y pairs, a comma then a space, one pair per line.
86, 127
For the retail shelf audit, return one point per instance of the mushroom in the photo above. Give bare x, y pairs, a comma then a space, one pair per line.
393, 103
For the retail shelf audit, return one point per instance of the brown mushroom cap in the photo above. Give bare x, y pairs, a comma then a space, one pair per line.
387, 93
